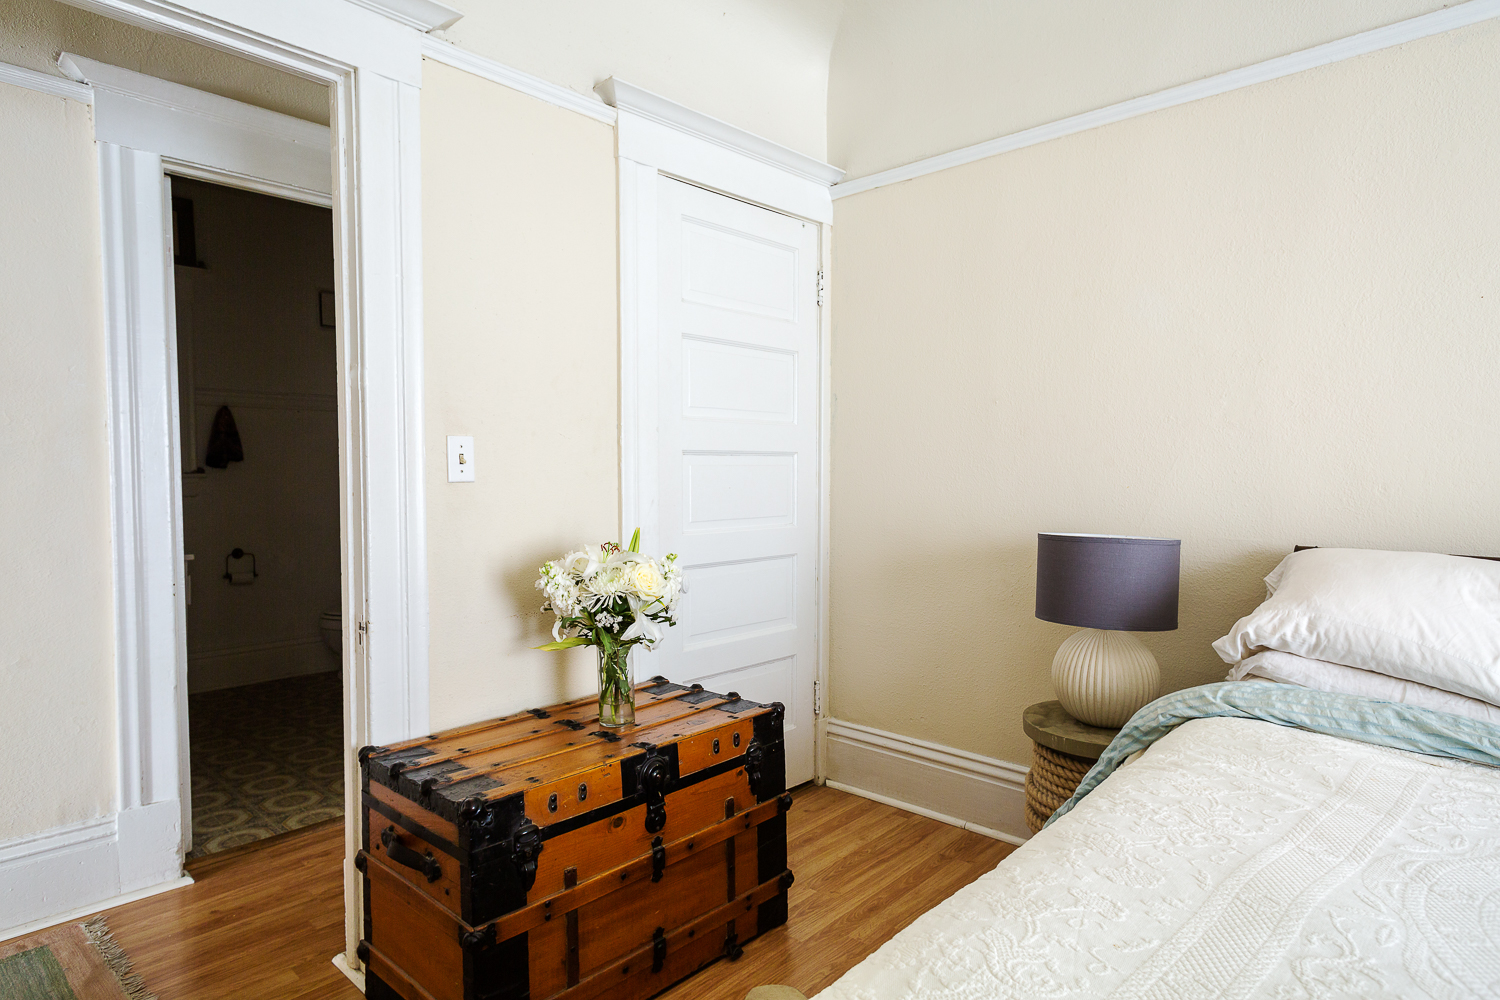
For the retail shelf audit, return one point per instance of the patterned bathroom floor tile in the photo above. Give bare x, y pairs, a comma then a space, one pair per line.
266, 759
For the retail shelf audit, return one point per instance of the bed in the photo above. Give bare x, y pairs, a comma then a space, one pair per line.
1244, 839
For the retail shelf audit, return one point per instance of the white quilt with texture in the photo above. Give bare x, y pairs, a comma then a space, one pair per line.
1235, 858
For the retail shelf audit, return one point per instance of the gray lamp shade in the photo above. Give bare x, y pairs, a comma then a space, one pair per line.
1108, 581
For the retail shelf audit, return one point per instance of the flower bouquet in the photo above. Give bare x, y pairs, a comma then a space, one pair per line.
616, 599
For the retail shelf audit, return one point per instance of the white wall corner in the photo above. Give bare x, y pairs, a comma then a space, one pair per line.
967, 790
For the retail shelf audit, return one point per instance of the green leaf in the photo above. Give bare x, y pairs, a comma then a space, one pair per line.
577, 640
635, 541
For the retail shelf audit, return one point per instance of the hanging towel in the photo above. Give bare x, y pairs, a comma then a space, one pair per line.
224, 441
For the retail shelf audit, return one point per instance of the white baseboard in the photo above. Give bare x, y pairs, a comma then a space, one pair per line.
952, 786
78, 869
255, 664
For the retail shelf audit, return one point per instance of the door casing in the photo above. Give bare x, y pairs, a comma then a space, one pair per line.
657, 138
372, 67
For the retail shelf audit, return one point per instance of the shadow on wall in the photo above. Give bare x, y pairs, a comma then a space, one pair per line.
518, 585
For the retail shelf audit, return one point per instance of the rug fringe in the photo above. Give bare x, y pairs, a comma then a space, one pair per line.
131, 984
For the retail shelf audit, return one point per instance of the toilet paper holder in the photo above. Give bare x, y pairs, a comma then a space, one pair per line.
240, 554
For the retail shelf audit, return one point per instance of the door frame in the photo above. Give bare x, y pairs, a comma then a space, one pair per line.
656, 138
368, 54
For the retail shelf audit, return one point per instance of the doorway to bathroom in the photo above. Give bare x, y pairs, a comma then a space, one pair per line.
258, 419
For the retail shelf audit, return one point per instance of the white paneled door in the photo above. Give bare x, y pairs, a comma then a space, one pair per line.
737, 422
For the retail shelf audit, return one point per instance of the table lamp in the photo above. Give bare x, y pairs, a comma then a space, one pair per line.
1108, 586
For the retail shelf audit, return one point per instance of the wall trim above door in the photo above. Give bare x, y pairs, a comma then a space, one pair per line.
424, 15
709, 153
627, 97
262, 150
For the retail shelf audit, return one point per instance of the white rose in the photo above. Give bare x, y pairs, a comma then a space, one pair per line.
647, 580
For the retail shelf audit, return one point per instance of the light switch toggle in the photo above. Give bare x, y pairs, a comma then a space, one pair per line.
460, 459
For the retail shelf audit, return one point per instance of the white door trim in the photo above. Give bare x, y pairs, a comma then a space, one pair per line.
372, 66
675, 142
207, 136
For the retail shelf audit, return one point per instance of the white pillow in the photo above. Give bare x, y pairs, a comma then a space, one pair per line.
1320, 675
1422, 617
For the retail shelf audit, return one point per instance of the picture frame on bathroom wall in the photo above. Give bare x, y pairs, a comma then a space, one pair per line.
326, 313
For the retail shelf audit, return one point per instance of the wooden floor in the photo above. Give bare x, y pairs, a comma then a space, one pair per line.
262, 924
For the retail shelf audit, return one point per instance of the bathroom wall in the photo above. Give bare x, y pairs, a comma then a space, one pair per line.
249, 338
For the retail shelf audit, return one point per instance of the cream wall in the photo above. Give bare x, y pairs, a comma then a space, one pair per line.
759, 64
33, 32
1261, 319
910, 80
521, 335
56, 620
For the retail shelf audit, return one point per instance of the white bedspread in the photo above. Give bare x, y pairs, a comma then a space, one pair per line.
1235, 858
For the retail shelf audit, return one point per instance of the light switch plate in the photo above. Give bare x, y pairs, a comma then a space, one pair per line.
460, 459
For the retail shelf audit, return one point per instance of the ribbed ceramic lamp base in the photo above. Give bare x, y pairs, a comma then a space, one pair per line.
1102, 678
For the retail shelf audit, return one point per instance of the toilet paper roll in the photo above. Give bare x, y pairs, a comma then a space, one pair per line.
236, 579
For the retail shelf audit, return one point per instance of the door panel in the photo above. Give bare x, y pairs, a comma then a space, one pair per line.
737, 376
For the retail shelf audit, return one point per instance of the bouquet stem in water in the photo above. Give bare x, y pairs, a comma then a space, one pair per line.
616, 686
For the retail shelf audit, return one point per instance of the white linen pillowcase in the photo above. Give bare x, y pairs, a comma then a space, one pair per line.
1419, 616
1320, 675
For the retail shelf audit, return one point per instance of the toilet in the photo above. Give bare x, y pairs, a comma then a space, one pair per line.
331, 623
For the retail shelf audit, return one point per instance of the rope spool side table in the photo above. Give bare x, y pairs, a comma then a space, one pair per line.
1063, 749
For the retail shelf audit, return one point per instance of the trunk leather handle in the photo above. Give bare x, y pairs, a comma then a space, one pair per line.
403, 855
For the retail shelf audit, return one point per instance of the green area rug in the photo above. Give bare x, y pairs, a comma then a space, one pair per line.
68, 962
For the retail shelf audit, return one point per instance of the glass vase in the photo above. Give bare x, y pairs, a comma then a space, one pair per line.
616, 686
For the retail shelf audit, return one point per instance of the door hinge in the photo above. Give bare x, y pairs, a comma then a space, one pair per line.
361, 632
822, 287
817, 702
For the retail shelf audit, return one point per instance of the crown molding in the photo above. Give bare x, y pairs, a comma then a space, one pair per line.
424, 15
449, 54
42, 83
627, 97
1412, 29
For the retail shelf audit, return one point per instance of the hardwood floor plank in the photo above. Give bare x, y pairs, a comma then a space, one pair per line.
264, 923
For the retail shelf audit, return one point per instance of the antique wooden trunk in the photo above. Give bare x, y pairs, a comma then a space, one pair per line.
539, 855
